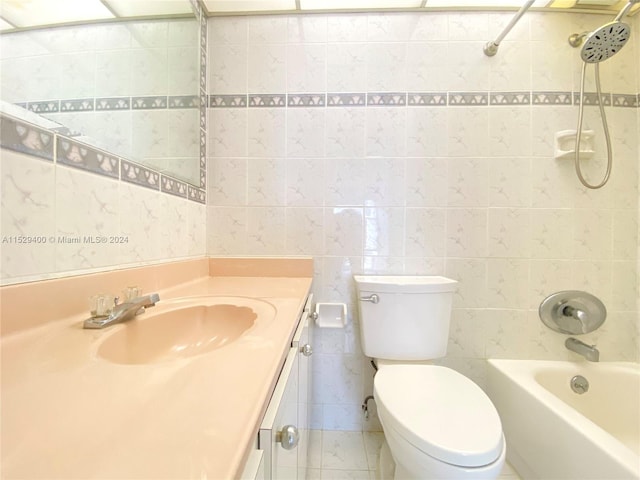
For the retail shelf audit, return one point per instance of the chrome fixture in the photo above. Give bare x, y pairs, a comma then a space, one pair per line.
573, 312
365, 406
598, 46
491, 48
579, 384
371, 298
122, 312
288, 437
590, 352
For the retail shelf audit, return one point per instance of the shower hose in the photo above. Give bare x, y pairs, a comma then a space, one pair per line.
604, 125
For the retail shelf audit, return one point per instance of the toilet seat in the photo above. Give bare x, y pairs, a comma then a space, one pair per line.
440, 412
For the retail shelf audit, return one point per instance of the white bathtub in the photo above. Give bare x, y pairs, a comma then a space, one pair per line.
553, 433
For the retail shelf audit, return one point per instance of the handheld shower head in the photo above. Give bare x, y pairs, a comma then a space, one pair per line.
605, 42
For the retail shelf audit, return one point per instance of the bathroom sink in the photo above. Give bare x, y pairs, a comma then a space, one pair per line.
183, 328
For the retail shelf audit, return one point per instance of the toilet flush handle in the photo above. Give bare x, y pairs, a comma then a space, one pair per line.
371, 298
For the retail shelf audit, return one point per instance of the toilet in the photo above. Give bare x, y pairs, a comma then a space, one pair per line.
437, 423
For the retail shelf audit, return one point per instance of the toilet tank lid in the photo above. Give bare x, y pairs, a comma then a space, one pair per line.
405, 283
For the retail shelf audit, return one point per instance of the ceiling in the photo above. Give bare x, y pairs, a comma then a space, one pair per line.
20, 14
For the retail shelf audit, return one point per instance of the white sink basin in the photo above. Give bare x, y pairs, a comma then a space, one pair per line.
183, 328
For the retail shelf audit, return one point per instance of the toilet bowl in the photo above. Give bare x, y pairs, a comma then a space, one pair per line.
438, 424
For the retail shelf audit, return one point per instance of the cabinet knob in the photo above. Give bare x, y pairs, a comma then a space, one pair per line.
288, 437
306, 350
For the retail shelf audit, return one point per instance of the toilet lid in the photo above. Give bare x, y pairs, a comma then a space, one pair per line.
440, 412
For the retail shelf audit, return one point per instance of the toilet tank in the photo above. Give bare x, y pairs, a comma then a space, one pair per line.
404, 317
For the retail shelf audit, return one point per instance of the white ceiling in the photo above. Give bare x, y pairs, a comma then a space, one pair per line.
34, 13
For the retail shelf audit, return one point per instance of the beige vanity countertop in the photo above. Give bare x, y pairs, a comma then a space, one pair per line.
69, 414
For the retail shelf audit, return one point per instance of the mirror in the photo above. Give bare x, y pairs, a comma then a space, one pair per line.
128, 87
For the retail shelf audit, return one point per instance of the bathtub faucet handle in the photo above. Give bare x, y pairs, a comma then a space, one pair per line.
569, 311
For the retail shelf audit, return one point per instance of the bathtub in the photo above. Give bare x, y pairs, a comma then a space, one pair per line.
553, 433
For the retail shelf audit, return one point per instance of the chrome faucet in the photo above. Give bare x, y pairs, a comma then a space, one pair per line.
590, 352
122, 312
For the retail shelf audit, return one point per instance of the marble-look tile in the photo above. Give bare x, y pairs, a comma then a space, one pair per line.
304, 227
509, 232
330, 474
385, 132
345, 132
383, 231
425, 232
426, 182
467, 232
267, 70
305, 182
509, 182
343, 450
346, 67
344, 181
468, 133
266, 132
427, 132
266, 181
28, 216
86, 209
306, 132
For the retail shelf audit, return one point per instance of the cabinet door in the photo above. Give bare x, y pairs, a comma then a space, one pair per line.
304, 396
254, 468
280, 424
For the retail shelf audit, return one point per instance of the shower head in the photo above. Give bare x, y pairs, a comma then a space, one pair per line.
605, 42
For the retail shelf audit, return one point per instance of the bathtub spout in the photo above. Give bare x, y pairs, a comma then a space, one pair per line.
590, 352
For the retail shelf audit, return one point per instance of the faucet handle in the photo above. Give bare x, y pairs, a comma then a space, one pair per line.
101, 305
131, 292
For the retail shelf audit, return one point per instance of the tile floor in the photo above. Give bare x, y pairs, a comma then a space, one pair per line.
338, 455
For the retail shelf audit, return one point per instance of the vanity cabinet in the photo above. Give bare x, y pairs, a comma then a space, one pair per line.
284, 432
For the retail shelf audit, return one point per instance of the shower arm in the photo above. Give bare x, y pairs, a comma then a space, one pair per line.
625, 10
491, 48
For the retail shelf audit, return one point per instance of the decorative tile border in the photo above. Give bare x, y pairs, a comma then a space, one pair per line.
510, 98
346, 99
387, 99
418, 99
149, 103
26, 138
78, 105
625, 100
112, 103
428, 99
197, 195
173, 186
468, 98
307, 100
184, 101
82, 156
23, 137
46, 106
228, 101
267, 100
551, 98
591, 98
140, 175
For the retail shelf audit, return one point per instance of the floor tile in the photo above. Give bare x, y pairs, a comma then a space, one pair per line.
343, 451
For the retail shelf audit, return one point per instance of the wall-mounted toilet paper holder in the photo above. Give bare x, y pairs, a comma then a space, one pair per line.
330, 315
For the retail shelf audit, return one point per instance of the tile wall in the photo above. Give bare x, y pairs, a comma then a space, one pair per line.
388, 143
130, 88
68, 208
60, 220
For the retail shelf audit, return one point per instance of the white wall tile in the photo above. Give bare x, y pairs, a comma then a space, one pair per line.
467, 191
